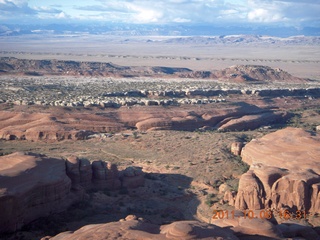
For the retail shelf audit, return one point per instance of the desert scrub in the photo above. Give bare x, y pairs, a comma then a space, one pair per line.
244, 137
233, 184
295, 121
241, 166
209, 199
135, 135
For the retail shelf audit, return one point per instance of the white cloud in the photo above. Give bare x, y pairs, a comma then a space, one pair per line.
287, 12
46, 9
231, 12
144, 14
264, 15
61, 15
181, 20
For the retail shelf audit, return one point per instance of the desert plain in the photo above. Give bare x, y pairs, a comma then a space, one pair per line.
159, 137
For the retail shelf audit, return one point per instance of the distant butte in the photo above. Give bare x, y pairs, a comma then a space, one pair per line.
238, 74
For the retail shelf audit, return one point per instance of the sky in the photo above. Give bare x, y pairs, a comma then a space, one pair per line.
289, 13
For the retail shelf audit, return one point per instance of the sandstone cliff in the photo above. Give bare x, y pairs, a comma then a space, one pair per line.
284, 172
34, 186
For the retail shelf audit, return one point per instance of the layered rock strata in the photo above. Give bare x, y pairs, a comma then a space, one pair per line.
61, 125
284, 172
33, 185
238, 73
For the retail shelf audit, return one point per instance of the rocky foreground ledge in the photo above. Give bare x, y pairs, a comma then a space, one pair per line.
34, 186
284, 176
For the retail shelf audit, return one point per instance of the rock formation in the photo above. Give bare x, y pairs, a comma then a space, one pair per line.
284, 172
34, 186
236, 148
239, 73
31, 186
53, 126
246, 228
253, 73
133, 228
132, 177
61, 125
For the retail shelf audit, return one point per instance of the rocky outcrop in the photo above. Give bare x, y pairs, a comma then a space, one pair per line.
250, 122
132, 177
34, 186
133, 229
59, 124
31, 186
106, 175
240, 117
245, 228
79, 171
239, 73
253, 73
250, 192
284, 172
236, 148
56, 126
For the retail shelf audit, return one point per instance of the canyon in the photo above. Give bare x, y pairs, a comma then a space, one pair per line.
172, 145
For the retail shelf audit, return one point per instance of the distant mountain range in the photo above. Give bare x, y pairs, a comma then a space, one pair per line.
153, 30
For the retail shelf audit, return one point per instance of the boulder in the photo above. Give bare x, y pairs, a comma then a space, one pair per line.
236, 148
251, 193
132, 177
230, 197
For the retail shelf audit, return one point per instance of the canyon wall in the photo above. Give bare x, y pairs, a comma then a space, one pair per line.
284, 172
34, 186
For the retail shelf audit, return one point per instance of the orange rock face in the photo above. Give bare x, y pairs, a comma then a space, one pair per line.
284, 172
131, 228
34, 186
54, 126
31, 186
58, 124
236, 148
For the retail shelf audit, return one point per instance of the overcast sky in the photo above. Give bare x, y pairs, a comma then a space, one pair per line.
221, 12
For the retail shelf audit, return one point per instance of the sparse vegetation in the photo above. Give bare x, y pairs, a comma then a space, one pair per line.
210, 199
